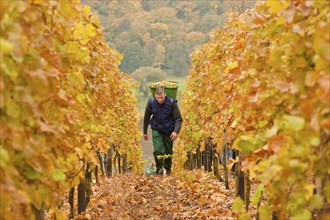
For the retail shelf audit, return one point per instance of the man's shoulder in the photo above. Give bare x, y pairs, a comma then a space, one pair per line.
174, 101
149, 103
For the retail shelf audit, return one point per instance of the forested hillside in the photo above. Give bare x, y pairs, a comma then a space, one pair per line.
161, 33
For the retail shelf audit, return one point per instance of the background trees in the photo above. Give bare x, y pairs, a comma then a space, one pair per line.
144, 75
160, 33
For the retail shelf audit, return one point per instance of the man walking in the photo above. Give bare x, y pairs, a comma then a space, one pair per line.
165, 123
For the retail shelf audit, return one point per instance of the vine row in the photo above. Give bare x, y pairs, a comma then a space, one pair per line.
264, 78
63, 100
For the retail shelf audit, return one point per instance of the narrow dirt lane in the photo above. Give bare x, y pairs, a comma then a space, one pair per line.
147, 147
131, 196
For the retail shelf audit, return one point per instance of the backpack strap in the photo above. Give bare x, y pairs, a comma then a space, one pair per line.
172, 104
152, 99
150, 102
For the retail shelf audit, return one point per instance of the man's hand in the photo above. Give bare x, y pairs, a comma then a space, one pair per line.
173, 136
145, 137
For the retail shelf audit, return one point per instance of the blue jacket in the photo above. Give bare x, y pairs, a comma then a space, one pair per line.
162, 115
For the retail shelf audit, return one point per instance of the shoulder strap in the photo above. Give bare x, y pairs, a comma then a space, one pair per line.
172, 101
150, 102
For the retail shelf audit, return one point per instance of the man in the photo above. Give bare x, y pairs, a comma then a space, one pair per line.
165, 123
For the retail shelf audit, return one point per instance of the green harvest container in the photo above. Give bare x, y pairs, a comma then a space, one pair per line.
171, 88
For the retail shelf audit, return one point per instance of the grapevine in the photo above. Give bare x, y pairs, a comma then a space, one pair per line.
167, 84
63, 98
265, 78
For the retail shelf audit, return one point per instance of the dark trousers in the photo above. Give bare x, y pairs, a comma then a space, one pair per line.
163, 150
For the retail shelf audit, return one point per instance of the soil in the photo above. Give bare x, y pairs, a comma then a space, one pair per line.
135, 196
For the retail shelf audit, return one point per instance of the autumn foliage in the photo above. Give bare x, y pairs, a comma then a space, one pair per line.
265, 78
62, 98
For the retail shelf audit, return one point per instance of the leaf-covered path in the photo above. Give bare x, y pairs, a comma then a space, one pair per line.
131, 196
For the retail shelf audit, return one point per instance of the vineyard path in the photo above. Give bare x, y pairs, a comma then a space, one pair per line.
136, 196
194, 194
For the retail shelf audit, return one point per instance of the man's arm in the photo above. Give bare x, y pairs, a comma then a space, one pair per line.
177, 117
146, 120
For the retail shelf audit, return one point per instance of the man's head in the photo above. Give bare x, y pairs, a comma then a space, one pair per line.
160, 94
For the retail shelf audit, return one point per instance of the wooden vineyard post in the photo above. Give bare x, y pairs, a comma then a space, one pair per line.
199, 157
209, 159
116, 160
225, 160
124, 163
194, 162
71, 202
207, 156
81, 194
216, 166
185, 164
101, 159
247, 190
191, 161
119, 162
88, 181
240, 179
40, 213
109, 162
96, 172
81, 197
115, 163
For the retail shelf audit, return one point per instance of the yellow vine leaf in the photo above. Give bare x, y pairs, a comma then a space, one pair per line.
87, 10
316, 202
238, 205
58, 175
5, 46
76, 79
257, 195
276, 6
4, 157
275, 57
264, 212
280, 21
84, 33
293, 122
305, 214
12, 108
231, 66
